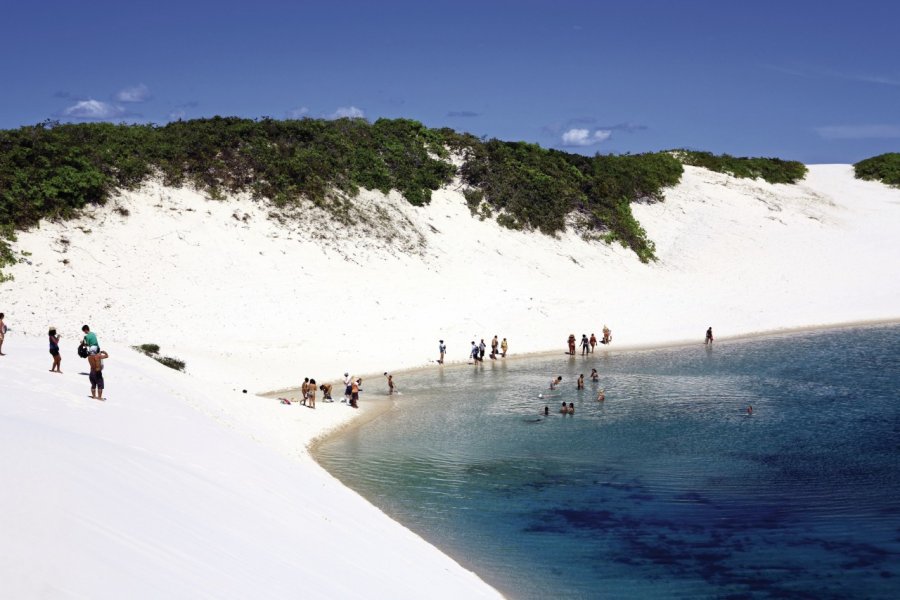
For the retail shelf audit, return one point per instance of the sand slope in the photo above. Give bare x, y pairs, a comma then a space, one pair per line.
146, 494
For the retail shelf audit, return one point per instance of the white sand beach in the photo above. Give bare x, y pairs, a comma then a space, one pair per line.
182, 485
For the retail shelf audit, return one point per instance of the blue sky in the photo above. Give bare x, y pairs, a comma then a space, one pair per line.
812, 81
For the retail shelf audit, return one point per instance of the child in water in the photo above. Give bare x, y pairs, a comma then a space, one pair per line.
571, 410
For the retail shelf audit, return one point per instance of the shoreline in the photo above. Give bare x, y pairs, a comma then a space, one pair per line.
372, 409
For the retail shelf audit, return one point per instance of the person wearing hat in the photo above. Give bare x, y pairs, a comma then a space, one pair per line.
347, 387
54, 349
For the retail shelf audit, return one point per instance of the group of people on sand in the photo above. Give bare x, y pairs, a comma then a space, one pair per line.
309, 390
588, 343
477, 351
89, 349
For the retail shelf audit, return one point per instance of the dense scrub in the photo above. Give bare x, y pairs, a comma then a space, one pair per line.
884, 168
52, 170
773, 170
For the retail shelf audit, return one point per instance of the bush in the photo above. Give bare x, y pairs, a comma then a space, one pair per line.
884, 168
773, 170
152, 350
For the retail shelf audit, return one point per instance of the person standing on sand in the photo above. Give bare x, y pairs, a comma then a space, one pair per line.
571, 342
354, 393
481, 348
494, 345
709, 336
3, 331
311, 394
585, 344
54, 350
390, 382
580, 384
443, 350
304, 390
503, 348
347, 387
95, 360
593, 342
607, 335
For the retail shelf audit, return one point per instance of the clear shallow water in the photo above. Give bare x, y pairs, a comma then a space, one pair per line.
667, 489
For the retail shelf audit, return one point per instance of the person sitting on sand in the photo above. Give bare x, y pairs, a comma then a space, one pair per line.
311, 394
563, 409
595, 376
326, 392
503, 348
580, 384
90, 339
571, 409
54, 350
555, 382
601, 396
95, 360
390, 382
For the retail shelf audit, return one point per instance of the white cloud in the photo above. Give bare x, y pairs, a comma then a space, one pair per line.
177, 115
137, 93
93, 109
584, 137
348, 111
858, 132
297, 113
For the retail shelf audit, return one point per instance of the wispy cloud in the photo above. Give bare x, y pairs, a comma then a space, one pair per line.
348, 112
810, 72
93, 110
584, 137
556, 130
134, 94
297, 113
858, 132
463, 113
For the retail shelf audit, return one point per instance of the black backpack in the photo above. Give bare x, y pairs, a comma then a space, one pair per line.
82, 350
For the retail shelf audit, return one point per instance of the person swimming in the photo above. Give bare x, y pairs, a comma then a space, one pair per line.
601, 396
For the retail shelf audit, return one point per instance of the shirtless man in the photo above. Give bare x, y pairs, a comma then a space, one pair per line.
580, 384
354, 393
304, 390
95, 360
326, 392
311, 394
390, 381
494, 345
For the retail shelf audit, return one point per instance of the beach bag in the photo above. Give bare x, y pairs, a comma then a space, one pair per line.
82, 350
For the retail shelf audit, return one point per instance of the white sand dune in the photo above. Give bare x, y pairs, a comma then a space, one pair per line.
252, 301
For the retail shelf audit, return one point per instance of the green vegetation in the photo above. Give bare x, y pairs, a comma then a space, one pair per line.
152, 350
884, 168
773, 170
53, 170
